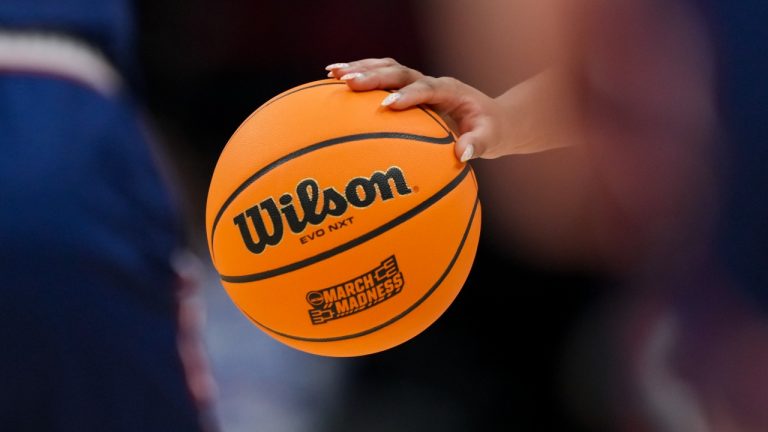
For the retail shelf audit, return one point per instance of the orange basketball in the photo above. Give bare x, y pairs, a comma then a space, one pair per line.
339, 227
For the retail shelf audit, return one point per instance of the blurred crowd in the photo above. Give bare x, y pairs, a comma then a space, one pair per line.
621, 283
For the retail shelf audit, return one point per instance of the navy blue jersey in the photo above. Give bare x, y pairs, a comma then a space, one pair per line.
88, 313
87, 310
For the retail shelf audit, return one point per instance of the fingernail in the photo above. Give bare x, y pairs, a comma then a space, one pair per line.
468, 153
336, 66
390, 99
330, 74
351, 76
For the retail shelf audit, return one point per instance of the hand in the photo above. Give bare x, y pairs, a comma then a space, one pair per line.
477, 118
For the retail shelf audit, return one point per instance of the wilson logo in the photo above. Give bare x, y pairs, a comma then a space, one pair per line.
316, 205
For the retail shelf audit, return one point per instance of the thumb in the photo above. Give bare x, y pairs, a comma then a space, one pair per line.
474, 143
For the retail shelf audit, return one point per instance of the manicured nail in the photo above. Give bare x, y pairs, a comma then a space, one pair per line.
351, 76
331, 67
390, 99
468, 153
330, 74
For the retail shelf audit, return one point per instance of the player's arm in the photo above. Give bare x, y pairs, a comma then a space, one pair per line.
525, 119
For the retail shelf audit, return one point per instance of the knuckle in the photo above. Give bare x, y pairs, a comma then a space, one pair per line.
364, 64
447, 82
389, 61
403, 74
429, 83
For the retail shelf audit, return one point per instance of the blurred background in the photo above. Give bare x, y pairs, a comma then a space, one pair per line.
620, 284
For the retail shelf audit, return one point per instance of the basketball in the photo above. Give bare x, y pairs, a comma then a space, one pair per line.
340, 227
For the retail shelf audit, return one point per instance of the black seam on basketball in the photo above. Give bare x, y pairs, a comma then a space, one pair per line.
474, 178
429, 112
401, 314
280, 96
440, 123
437, 196
321, 84
448, 139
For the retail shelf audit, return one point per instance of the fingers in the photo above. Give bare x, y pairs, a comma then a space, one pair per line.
464, 148
370, 74
339, 69
442, 93
470, 112
477, 142
414, 87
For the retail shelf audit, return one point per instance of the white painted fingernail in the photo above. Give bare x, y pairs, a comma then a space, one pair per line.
336, 66
351, 76
468, 153
390, 99
330, 74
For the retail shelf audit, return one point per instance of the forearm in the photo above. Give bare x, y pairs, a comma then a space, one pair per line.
539, 114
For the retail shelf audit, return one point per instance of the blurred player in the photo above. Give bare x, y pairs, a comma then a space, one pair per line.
88, 308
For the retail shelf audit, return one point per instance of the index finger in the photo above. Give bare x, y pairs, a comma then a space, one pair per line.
442, 93
384, 78
339, 69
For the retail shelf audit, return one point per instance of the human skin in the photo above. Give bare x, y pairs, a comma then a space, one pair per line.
525, 119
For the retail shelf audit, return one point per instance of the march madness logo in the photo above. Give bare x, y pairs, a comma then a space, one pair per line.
357, 294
